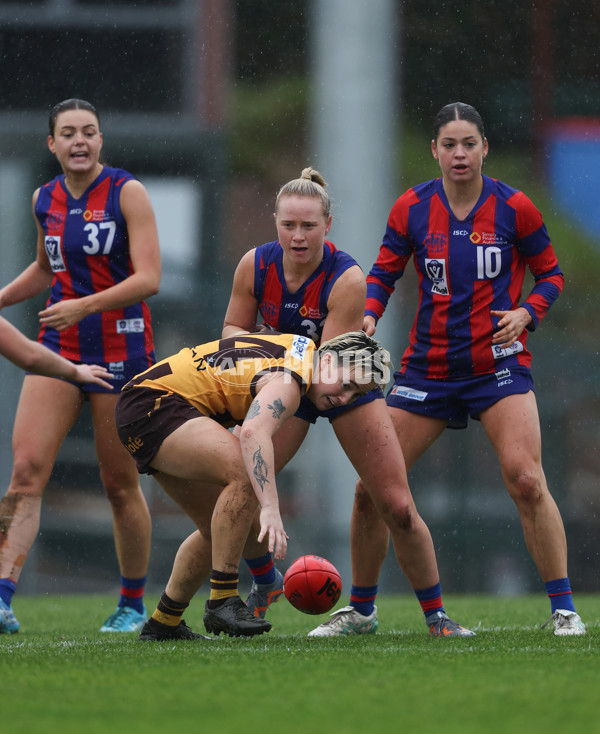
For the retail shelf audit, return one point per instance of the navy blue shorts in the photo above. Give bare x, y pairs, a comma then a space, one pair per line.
309, 412
456, 400
122, 371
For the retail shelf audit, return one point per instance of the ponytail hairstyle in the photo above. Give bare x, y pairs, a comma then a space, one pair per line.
457, 111
310, 183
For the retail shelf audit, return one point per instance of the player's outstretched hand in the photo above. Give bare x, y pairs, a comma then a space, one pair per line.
271, 527
93, 373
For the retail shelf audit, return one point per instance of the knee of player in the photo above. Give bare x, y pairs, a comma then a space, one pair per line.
120, 489
29, 475
238, 497
528, 487
399, 515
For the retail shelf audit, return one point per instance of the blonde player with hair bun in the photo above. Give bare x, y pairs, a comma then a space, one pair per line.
302, 284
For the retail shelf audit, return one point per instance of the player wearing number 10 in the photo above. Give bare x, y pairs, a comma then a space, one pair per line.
472, 238
98, 251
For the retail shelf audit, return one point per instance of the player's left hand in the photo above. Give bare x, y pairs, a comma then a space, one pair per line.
510, 326
63, 314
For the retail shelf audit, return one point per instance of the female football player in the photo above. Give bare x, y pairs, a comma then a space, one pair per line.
302, 284
98, 252
173, 418
472, 239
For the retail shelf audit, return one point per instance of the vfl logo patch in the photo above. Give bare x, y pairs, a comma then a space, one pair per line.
500, 352
407, 392
130, 326
52, 247
436, 272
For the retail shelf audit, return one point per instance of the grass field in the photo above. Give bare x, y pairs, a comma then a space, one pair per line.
59, 674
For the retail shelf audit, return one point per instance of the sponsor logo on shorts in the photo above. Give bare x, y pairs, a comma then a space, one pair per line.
501, 374
505, 382
117, 369
408, 392
130, 326
133, 444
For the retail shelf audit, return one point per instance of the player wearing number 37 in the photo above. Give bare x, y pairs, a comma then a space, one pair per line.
98, 253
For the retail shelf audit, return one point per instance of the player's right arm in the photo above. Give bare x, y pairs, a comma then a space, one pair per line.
35, 278
277, 399
394, 254
242, 311
34, 357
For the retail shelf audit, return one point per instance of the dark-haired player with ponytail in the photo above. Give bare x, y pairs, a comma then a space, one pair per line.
472, 238
98, 253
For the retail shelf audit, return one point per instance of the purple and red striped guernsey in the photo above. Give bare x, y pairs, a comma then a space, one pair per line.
304, 311
465, 269
87, 245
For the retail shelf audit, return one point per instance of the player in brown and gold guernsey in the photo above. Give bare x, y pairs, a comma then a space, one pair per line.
173, 418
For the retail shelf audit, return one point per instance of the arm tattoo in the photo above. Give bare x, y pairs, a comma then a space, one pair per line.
260, 468
254, 410
278, 408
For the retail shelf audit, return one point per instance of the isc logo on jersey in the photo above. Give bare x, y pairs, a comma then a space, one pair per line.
299, 347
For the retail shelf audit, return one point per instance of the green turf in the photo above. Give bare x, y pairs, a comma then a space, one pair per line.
59, 674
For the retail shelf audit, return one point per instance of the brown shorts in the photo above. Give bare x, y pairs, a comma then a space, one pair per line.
145, 417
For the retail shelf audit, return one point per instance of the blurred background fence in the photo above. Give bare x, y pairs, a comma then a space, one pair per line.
214, 104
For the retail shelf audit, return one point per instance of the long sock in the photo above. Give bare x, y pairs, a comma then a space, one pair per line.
559, 592
362, 598
169, 611
262, 569
7, 589
222, 587
430, 600
132, 593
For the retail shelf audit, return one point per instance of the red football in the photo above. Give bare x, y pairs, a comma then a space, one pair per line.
312, 584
